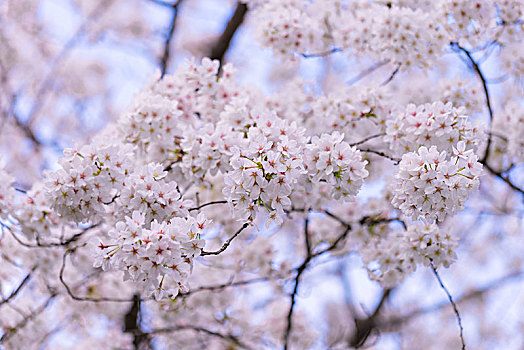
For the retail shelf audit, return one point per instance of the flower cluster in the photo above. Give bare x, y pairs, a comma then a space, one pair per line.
401, 35
287, 27
355, 113
330, 159
161, 257
148, 192
7, 193
471, 19
506, 141
512, 60
153, 124
35, 216
392, 258
265, 172
96, 177
435, 124
89, 178
428, 243
431, 185
198, 91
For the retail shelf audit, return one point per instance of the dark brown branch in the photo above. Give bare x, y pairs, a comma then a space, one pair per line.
26, 130
382, 154
334, 245
300, 271
393, 74
321, 54
167, 43
306, 235
19, 288
455, 309
367, 71
367, 139
503, 178
11, 331
477, 70
364, 327
223, 286
226, 243
77, 298
132, 324
227, 337
476, 293
206, 204
220, 48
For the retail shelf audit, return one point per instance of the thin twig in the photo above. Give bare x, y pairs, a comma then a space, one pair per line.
321, 54
477, 70
163, 3
393, 74
366, 72
503, 178
226, 243
223, 286
19, 288
227, 337
382, 154
206, 204
476, 293
11, 331
367, 139
167, 43
75, 297
455, 309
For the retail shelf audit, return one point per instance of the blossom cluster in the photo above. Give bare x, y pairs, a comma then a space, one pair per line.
35, 216
153, 124
471, 19
355, 113
287, 27
198, 91
436, 124
96, 177
430, 184
90, 178
406, 36
265, 172
506, 141
161, 257
329, 159
401, 35
391, 259
7, 192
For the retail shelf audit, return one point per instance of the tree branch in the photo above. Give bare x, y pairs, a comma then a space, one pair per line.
503, 178
455, 309
77, 298
167, 43
321, 54
226, 243
227, 337
206, 204
366, 139
19, 288
220, 48
477, 70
